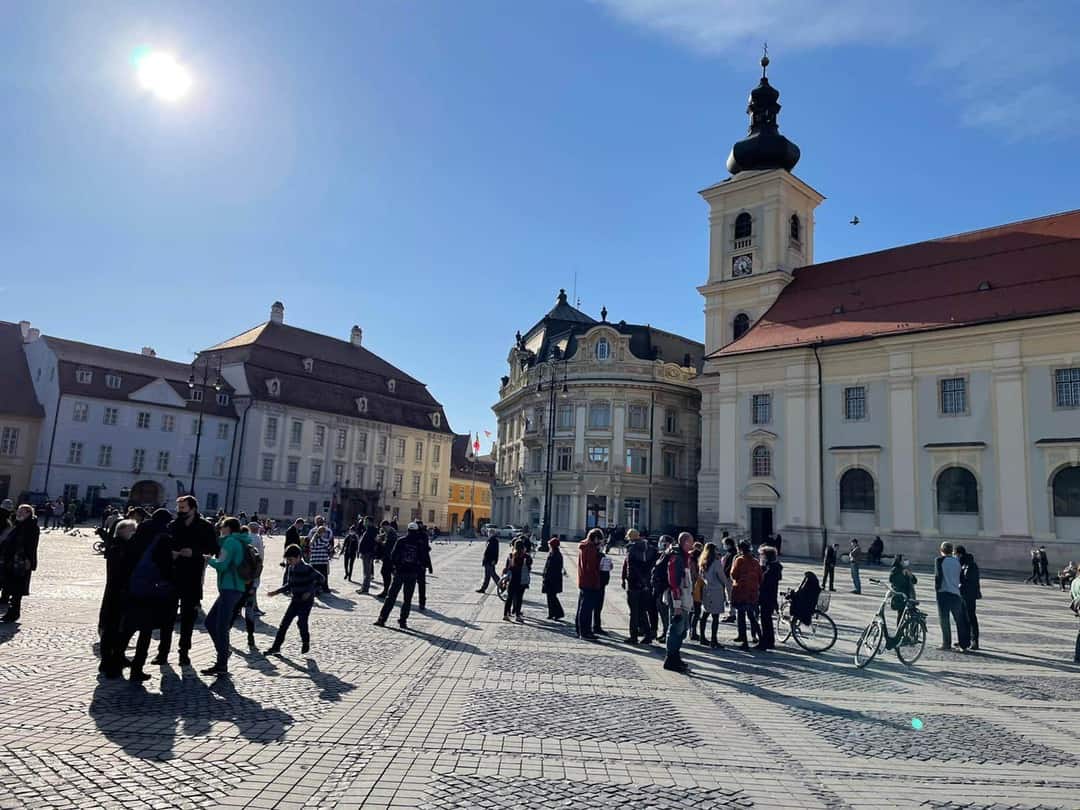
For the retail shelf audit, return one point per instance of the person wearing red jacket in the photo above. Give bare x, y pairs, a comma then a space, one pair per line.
588, 583
680, 600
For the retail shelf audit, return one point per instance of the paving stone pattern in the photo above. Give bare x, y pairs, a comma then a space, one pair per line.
466, 711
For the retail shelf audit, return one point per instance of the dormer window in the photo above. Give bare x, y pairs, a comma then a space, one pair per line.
273, 387
391, 386
112, 380
744, 226
223, 400
603, 349
84, 376
795, 228
361, 404
196, 395
309, 364
436, 419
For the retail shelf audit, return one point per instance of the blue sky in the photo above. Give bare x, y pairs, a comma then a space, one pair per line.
436, 171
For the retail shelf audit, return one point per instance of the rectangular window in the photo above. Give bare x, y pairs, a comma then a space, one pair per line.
419, 451
264, 505
434, 486
271, 430
289, 506
399, 479
380, 476
112, 381
565, 416
383, 441
761, 409
84, 376
564, 459
855, 403
211, 501
223, 430
312, 507
600, 415
111, 416
667, 513
953, 395
671, 420
436, 454
219, 466
632, 513
142, 421
536, 459
339, 474
320, 437
400, 452
71, 492
222, 399
191, 464
267, 473
196, 425
316, 473
80, 412
296, 433
292, 471
416, 483
1067, 387
75, 453
9, 441
163, 461
639, 417
598, 454
671, 464
196, 395
168, 422
104, 458
637, 461
562, 510
342, 438
358, 476
361, 444
138, 459
431, 516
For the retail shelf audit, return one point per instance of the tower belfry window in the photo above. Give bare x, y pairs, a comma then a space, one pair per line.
744, 226
795, 228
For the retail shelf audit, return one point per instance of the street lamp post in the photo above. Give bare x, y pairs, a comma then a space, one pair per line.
553, 394
218, 385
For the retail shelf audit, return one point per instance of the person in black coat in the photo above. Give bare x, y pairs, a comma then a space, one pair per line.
120, 559
553, 577
369, 551
149, 612
192, 537
828, 575
18, 560
425, 568
970, 591
491, 559
769, 596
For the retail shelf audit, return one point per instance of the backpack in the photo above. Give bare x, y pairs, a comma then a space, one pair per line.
408, 555
251, 566
804, 599
147, 581
659, 578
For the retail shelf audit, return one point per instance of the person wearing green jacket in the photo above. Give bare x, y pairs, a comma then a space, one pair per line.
231, 589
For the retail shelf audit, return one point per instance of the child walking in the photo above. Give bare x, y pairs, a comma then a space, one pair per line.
301, 582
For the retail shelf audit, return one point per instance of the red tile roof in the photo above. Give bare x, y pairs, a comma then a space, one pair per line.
1013, 271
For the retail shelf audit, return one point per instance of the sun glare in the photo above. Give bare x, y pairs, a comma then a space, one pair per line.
161, 74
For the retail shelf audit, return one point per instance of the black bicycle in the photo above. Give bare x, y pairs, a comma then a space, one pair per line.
818, 635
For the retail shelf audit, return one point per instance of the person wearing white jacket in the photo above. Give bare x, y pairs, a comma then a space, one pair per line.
714, 596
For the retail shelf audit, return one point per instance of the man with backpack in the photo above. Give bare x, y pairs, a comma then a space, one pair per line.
636, 581
193, 538
234, 572
407, 560
151, 595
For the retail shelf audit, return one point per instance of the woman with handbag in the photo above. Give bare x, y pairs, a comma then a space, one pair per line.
517, 570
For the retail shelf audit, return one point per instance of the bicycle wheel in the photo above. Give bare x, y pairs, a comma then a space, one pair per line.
818, 636
870, 643
99, 547
911, 648
500, 590
784, 620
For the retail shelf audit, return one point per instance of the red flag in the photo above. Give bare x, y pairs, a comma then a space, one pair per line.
476, 444
487, 433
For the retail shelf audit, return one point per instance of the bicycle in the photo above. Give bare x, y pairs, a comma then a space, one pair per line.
909, 640
816, 637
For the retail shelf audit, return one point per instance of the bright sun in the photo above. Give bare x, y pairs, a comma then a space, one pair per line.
161, 74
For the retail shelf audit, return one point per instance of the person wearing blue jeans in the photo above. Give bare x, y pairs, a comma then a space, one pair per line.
855, 555
588, 583
950, 604
231, 589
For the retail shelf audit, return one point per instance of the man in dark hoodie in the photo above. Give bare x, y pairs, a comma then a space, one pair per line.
407, 560
151, 591
768, 596
369, 550
194, 538
301, 582
491, 559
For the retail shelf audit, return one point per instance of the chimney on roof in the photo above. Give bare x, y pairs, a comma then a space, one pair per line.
277, 312
32, 334
148, 352
356, 336
24, 329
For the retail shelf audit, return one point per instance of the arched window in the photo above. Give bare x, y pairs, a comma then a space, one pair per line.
795, 228
761, 461
743, 226
740, 325
1067, 492
957, 492
603, 349
856, 491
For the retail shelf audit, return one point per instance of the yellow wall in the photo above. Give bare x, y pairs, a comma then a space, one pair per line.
461, 500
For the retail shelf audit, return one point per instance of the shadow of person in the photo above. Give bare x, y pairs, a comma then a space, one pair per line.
452, 620
331, 687
449, 644
8, 632
254, 721
331, 601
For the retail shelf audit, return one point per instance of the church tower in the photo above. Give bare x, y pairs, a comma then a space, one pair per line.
761, 223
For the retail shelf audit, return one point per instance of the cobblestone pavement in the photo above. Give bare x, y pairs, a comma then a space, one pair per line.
466, 711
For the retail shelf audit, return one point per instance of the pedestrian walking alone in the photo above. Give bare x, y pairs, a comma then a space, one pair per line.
517, 571
970, 592
947, 585
406, 563
828, 574
491, 559
553, 577
350, 548
745, 592
301, 582
1044, 566
855, 559
231, 588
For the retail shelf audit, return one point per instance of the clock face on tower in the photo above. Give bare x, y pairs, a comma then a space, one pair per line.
742, 266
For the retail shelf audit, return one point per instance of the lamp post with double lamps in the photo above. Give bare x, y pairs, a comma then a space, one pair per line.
193, 383
554, 391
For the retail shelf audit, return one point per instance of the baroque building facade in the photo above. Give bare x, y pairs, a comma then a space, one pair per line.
598, 425
921, 393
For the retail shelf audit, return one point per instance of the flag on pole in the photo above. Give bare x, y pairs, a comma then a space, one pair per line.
487, 434
476, 445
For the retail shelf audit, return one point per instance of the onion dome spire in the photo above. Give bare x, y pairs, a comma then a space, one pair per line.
763, 147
